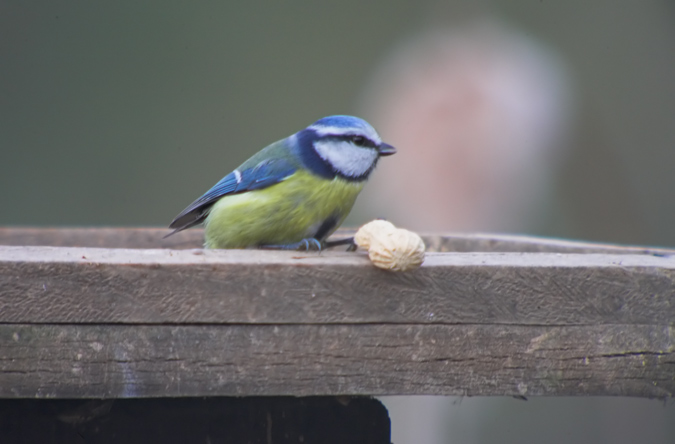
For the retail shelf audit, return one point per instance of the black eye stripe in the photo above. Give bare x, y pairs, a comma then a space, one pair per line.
365, 142
358, 140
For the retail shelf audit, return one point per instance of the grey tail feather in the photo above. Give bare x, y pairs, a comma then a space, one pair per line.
189, 224
172, 233
184, 227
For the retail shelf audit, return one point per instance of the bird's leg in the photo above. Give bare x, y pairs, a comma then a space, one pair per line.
309, 244
336, 243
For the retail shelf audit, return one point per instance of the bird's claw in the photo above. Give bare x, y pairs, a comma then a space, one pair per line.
309, 244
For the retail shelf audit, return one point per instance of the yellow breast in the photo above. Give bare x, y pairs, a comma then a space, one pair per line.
284, 213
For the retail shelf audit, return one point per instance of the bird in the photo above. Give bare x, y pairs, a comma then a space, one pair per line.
292, 194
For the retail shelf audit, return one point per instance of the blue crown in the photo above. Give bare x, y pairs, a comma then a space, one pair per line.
342, 122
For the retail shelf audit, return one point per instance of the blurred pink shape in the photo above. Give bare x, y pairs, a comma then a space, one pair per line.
478, 115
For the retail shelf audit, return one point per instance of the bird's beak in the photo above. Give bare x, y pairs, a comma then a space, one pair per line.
386, 150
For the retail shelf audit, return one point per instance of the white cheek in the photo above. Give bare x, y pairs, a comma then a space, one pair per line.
347, 158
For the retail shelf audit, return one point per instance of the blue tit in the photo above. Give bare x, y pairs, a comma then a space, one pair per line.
292, 194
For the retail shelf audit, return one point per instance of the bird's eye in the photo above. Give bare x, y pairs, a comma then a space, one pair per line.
358, 140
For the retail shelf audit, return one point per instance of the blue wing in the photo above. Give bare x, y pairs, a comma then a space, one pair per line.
266, 173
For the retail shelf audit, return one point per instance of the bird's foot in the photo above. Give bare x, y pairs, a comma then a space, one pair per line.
309, 244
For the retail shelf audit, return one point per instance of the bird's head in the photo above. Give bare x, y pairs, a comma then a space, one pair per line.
345, 146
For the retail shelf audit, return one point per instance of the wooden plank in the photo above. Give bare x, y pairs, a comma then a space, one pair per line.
148, 238
278, 420
75, 285
529, 244
101, 237
119, 361
102, 322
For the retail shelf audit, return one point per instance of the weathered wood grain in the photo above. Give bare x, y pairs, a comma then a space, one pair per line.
110, 322
80, 361
148, 238
78, 285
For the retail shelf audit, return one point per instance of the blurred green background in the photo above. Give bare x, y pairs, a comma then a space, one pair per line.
122, 113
